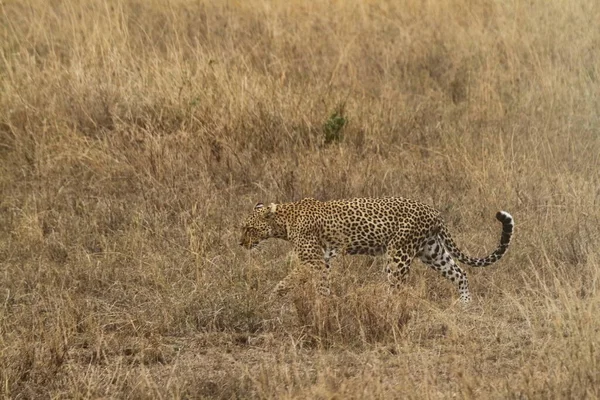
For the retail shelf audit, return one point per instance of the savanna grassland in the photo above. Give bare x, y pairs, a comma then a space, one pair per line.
136, 135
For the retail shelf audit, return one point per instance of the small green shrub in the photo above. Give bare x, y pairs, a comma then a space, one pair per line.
333, 128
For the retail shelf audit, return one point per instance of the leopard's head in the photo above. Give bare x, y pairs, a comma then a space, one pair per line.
260, 225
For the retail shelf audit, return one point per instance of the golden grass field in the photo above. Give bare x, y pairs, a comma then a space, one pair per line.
136, 135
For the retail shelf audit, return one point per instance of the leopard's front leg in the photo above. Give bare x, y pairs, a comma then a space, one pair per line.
323, 268
299, 275
311, 254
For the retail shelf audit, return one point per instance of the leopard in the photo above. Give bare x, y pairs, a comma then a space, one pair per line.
401, 229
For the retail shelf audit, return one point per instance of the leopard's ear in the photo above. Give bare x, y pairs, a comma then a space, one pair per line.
258, 206
271, 210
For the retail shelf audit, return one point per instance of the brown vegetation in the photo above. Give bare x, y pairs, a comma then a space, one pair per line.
135, 135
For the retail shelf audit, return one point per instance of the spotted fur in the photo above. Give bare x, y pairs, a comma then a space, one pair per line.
402, 229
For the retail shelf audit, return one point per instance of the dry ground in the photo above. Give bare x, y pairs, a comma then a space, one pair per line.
135, 135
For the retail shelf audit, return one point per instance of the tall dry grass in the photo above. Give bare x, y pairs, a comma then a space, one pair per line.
135, 135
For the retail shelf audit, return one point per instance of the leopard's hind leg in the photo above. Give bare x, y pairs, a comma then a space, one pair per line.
434, 254
400, 253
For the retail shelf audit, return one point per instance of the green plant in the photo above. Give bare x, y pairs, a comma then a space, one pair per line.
333, 128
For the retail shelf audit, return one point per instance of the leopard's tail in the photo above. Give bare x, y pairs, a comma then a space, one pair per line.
508, 224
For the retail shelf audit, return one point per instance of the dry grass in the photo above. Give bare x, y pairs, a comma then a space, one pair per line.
135, 135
